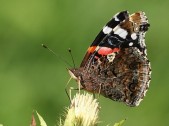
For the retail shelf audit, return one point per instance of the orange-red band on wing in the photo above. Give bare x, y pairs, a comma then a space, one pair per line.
91, 49
107, 50
101, 50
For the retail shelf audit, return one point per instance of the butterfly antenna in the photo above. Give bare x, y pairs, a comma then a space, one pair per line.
61, 58
70, 51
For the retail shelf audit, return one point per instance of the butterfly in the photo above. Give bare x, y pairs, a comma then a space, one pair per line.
116, 64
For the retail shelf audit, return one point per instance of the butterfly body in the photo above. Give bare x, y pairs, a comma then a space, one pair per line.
116, 63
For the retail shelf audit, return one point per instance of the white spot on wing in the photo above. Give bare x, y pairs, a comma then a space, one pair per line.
138, 102
121, 32
107, 30
115, 17
145, 51
111, 57
131, 44
97, 48
134, 36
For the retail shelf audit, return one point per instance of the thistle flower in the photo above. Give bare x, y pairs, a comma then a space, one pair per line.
83, 111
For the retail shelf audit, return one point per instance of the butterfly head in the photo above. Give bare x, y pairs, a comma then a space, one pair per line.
75, 73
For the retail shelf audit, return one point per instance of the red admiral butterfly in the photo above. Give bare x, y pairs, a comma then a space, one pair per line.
116, 63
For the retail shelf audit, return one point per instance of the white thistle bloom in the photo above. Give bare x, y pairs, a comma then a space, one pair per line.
83, 111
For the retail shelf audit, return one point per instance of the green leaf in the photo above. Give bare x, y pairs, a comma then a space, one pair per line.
120, 123
42, 122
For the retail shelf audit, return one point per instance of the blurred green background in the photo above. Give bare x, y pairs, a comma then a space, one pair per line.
32, 78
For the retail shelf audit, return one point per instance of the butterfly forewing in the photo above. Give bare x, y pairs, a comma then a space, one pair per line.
107, 29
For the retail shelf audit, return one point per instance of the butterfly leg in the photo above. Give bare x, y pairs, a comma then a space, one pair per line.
94, 96
79, 84
66, 90
100, 87
80, 87
69, 90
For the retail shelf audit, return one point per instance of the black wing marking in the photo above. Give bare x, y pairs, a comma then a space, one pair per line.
120, 34
116, 20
